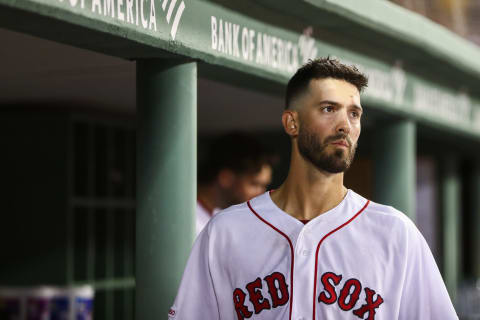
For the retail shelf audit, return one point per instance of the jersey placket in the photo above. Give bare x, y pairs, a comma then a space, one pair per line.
302, 274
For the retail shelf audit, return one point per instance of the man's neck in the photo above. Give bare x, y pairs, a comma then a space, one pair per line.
308, 192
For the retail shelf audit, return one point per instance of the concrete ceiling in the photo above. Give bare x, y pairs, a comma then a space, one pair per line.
41, 72
38, 71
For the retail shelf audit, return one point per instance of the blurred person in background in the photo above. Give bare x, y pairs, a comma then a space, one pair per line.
237, 168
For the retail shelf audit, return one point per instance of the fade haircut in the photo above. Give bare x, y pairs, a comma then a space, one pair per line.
321, 69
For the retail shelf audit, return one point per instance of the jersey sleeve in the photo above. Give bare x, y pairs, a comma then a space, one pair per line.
196, 297
424, 293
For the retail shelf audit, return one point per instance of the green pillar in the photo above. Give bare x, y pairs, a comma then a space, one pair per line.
474, 228
166, 180
450, 197
395, 162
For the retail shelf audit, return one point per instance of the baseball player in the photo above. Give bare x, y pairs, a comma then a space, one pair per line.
313, 249
236, 169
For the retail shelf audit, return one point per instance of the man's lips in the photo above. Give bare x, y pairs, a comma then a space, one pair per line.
341, 143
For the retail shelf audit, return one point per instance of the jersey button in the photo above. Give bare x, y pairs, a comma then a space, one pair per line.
305, 253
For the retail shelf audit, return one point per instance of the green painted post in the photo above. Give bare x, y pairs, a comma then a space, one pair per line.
475, 226
395, 166
450, 189
166, 180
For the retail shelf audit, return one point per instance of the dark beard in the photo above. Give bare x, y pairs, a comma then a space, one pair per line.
314, 151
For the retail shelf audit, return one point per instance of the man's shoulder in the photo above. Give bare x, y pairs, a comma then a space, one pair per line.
231, 212
239, 216
230, 217
387, 215
387, 211
387, 224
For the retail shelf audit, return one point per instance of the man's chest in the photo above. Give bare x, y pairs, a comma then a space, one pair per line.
309, 275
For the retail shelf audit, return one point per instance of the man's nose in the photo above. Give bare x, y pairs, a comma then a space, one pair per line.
343, 125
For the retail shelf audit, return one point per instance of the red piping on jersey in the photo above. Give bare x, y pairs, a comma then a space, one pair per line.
316, 254
291, 252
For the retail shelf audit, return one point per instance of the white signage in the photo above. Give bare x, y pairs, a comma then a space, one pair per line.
385, 85
264, 49
140, 13
453, 108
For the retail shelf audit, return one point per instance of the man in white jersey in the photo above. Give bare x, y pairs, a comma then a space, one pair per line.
313, 249
237, 168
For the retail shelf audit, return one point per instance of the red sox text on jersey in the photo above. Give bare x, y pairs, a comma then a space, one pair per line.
360, 260
278, 295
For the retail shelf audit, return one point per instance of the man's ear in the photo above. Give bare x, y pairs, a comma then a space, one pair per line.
226, 178
290, 122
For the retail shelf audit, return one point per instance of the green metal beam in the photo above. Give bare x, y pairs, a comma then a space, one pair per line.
270, 44
474, 228
451, 211
166, 185
395, 163
385, 18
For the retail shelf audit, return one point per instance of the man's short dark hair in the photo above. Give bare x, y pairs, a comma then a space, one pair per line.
237, 151
321, 69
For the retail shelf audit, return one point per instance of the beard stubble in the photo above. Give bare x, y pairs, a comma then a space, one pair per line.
315, 151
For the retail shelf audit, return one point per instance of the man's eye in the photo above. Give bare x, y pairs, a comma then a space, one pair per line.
355, 114
327, 109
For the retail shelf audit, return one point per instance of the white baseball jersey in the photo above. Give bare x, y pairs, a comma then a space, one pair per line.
359, 260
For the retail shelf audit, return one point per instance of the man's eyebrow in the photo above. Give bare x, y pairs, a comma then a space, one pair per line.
356, 106
330, 102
